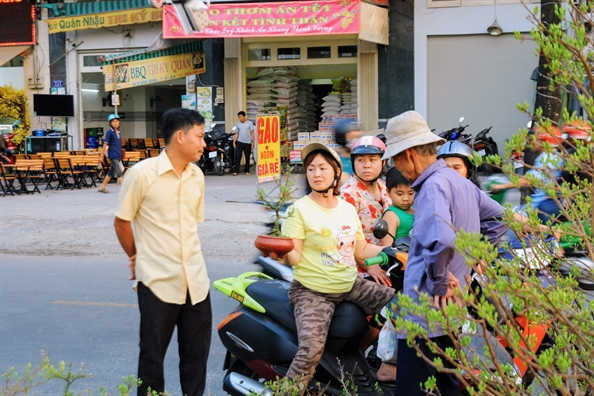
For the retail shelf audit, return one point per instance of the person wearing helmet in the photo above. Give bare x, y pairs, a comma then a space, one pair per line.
576, 131
544, 164
368, 193
346, 133
458, 156
327, 237
112, 147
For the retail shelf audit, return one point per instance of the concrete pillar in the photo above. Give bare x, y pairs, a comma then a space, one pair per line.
368, 85
234, 84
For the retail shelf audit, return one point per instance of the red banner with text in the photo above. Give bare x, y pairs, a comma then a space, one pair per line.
304, 18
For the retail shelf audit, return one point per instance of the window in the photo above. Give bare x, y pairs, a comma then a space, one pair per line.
289, 53
91, 60
347, 51
318, 52
258, 54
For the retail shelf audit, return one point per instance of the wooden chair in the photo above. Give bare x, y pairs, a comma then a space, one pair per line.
161, 142
132, 157
45, 155
50, 172
20, 157
7, 181
31, 172
92, 170
66, 170
78, 152
134, 144
153, 153
61, 154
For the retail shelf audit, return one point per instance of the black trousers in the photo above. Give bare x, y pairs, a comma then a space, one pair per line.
240, 150
194, 328
413, 371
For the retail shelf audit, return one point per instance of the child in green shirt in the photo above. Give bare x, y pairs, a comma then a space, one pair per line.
401, 214
400, 217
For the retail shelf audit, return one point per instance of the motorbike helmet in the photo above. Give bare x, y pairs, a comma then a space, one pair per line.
369, 145
342, 128
112, 117
550, 134
454, 148
578, 129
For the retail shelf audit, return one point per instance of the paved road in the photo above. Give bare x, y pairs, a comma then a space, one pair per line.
66, 291
64, 287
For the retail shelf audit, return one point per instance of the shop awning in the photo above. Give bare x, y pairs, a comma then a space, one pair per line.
277, 19
8, 53
94, 7
99, 14
136, 68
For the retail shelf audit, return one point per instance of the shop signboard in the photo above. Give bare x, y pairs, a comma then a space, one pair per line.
303, 18
104, 19
153, 70
17, 23
269, 158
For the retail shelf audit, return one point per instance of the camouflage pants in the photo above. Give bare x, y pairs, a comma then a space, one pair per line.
313, 314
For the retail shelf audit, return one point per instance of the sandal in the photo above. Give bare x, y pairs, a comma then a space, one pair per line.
247, 173
234, 174
104, 191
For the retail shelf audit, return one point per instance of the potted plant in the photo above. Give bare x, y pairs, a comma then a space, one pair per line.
274, 244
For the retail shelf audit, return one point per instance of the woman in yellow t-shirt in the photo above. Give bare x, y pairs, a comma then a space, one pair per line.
328, 237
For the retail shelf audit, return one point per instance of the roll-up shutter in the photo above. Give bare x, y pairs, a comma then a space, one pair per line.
481, 78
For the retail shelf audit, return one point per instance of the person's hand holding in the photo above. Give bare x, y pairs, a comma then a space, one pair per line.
379, 275
132, 266
441, 302
234, 145
497, 187
252, 146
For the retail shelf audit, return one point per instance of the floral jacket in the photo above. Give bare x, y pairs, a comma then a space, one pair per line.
368, 209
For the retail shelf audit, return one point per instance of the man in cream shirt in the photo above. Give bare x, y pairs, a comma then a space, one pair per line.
164, 198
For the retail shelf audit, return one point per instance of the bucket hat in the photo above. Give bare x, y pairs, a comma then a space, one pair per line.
407, 130
319, 146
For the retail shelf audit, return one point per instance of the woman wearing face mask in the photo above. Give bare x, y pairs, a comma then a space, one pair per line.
328, 238
458, 156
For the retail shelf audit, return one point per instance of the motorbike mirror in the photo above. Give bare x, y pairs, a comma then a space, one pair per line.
460, 120
214, 124
234, 129
381, 229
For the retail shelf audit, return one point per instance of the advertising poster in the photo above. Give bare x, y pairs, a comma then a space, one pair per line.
302, 18
188, 101
269, 158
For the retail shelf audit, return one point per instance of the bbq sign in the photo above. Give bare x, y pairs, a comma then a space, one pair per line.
268, 130
17, 23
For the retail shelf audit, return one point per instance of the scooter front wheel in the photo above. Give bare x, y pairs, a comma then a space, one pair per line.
218, 166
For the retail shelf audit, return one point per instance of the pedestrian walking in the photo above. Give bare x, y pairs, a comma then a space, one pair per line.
112, 148
445, 202
243, 142
164, 197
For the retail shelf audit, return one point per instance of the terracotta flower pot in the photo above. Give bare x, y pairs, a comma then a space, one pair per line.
272, 246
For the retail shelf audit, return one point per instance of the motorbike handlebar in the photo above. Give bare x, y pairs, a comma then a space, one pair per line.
380, 259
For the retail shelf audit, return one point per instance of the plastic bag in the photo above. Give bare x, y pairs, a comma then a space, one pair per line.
387, 344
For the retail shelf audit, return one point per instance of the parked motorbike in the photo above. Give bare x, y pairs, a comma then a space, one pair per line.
217, 154
457, 133
484, 146
8, 149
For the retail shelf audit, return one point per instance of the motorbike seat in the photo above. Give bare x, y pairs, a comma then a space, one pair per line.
349, 321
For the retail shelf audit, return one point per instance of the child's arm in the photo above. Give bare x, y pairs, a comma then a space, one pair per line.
393, 223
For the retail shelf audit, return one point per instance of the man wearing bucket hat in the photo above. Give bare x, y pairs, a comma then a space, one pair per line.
444, 202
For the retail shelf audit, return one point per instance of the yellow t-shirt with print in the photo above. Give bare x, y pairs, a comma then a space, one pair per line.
329, 237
